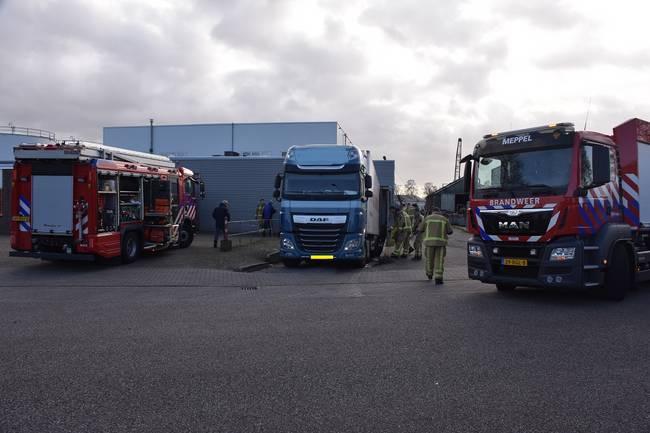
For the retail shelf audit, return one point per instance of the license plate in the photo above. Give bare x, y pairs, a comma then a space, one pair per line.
322, 257
22, 219
514, 262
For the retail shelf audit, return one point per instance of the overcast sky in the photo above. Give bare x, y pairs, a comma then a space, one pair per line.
404, 78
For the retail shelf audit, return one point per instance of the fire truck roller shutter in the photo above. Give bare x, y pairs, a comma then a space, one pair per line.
52, 204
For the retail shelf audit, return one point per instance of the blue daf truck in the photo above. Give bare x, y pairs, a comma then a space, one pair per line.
332, 205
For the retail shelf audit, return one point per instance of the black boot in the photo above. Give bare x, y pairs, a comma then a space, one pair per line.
216, 244
438, 280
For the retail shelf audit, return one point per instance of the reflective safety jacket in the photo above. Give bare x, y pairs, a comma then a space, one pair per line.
436, 230
405, 222
259, 211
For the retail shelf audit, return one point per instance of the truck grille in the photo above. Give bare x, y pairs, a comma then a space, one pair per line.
526, 224
320, 238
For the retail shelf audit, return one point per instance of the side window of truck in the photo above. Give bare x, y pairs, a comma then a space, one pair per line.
596, 165
613, 166
189, 187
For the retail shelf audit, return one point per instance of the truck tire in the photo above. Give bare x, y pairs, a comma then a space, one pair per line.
501, 287
618, 277
291, 263
130, 247
361, 263
186, 236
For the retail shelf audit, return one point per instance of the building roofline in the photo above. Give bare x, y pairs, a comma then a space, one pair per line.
449, 185
221, 157
222, 124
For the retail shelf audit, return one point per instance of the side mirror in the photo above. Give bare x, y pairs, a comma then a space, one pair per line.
202, 189
278, 181
276, 194
368, 181
369, 193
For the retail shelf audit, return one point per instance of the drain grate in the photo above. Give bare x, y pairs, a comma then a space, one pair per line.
249, 287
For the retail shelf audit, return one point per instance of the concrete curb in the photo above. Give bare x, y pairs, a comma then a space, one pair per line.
273, 257
253, 267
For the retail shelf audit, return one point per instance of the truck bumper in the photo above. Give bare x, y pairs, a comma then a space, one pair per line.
534, 267
290, 249
53, 256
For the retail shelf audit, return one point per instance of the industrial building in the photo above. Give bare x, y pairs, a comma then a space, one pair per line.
224, 139
451, 199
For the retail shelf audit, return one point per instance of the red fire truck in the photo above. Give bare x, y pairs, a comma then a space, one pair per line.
555, 207
80, 201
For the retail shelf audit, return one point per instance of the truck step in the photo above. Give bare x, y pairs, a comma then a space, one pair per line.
591, 248
590, 267
149, 246
592, 284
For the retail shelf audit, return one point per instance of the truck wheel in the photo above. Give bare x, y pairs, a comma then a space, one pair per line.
368, 251
186, 236
359, 264
130, 247
291, 263
618, 277
505, 287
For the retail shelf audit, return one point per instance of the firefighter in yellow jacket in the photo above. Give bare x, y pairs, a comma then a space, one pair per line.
259, 214
404, 225
417, 235
435, 230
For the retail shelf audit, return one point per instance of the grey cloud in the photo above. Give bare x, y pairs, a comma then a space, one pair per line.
412, 22
250, 24
549, 14
74, 66
471, 77
588, 55
90, 68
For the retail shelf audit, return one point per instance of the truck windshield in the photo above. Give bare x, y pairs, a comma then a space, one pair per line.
531, 173
321, 186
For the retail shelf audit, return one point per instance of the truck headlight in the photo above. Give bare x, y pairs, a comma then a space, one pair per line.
352, 244
562, 254
474, 250
287, 244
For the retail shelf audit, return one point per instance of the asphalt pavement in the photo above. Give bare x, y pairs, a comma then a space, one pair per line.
145, 348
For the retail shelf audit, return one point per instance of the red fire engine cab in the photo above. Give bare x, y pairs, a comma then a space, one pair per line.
555, 207
80, 201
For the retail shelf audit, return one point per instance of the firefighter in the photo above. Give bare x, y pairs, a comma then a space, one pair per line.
404, 227
267, 215
395, 231
408, 232
435, 230
259, 215
417, 234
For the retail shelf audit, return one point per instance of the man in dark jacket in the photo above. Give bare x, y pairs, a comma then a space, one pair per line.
268, 212
221, 216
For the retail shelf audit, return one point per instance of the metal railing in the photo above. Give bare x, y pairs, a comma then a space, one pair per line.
32, 132
251, 227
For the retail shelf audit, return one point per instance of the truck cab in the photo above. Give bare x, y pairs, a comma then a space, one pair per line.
329, 209
554, 207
